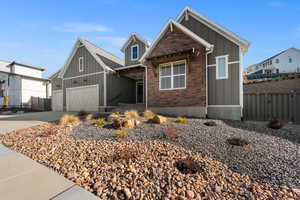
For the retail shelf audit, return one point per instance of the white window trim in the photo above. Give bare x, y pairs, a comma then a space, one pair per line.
79, 66
226, 67
137, 52
172, 76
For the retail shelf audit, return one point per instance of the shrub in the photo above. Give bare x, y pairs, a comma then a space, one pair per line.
181, 120
148, 114
131, 114
238, 142
90, 117
188, 166
99, 122
117, 113
69, 119
171, 133
210, 123
81, 113
275, 124
120, 134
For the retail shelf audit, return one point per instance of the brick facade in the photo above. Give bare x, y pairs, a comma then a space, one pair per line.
195, 92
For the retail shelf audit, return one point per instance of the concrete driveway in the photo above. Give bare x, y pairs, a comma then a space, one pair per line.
10, 123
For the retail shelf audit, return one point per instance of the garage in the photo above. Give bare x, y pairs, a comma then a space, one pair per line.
57, 100
82, 98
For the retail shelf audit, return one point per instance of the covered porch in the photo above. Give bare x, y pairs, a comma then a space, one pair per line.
137, 75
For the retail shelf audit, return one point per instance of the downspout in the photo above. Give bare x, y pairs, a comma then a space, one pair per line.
146, 88
104, 89
241, 83
206, 79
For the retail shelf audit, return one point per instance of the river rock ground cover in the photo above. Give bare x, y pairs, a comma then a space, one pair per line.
136, 168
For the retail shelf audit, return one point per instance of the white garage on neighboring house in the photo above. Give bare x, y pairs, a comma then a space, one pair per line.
19, 82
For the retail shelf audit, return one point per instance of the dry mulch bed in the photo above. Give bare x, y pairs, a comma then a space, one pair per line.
136, 170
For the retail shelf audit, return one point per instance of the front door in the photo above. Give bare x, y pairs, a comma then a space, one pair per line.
139, 92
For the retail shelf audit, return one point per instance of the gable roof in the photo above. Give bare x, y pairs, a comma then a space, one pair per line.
214, 26
132, 37
54, 75
169, 24
9, 64
98, 53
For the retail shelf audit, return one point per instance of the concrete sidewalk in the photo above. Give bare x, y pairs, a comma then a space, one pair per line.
24, 179
10, 123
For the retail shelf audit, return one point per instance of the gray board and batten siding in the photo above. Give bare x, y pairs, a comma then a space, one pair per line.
141, 49
221, 92
92, 74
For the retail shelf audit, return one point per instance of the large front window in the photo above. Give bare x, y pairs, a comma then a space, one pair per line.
172, 75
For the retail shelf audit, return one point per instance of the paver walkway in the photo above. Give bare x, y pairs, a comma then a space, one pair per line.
24, 179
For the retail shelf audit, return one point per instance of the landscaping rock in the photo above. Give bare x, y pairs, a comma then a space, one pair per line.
112, 117
158, 119
152, 174
123, 123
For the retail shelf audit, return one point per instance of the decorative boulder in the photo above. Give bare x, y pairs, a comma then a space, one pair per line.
112, 117
121, 123
158, 119
210, 123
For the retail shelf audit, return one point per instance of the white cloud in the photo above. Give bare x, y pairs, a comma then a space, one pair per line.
114, 41
81, 28
276, 4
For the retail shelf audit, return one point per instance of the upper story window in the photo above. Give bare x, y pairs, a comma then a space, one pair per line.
134, 52
290, 60
222, 67
277, 60
172, 75
80, 64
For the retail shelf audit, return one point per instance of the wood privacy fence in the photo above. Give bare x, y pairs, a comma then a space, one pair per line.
40, 104
266, 106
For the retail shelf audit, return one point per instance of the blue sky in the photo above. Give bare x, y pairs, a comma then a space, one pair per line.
42, 33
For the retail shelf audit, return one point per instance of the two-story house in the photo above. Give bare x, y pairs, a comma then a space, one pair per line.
287, 61
193, 68
20, 82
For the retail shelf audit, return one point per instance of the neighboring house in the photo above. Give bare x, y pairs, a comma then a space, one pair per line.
193, 68
21, 82
287, 61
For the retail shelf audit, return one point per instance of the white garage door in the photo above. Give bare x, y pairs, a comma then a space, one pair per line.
83, 98
57, 100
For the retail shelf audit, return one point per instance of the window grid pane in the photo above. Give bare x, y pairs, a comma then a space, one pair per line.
165, 70
179, 69
179, 81
165, 82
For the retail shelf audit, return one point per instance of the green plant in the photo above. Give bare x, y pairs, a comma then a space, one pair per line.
131, 114
120, 134
99, 122
181, 120
68, 119
148, 114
